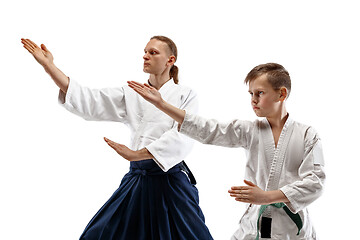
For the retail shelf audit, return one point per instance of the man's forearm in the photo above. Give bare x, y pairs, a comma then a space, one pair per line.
142, 154
60, 79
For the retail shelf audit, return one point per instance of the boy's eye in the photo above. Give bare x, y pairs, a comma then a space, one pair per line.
261, 92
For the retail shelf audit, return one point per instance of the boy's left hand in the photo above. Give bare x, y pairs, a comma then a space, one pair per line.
249, 194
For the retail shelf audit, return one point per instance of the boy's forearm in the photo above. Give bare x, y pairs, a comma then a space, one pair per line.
276, 196
176, 113
60, 79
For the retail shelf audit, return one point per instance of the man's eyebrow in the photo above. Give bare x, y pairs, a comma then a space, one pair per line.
151, 49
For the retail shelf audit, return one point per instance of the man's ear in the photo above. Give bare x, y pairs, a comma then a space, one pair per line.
171, 60
283, 94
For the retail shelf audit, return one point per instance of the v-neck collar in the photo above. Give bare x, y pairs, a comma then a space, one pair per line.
167, 85
283, 132
276, 155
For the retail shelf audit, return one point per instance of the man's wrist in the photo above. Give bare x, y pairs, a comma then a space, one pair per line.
142, 154
48, 66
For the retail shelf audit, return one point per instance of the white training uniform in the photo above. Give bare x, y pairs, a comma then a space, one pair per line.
150, 128
295, 166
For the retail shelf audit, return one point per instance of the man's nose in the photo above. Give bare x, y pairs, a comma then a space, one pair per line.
146, 56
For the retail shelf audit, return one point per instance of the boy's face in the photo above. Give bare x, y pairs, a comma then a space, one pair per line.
265, 101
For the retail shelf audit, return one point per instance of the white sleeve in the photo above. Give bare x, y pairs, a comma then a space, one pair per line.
312, 175
94, 104
236, 133
172, 147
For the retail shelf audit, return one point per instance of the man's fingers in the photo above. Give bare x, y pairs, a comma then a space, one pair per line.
28, 48
32, 43
29, 43
43, 47
113, 144
109, 142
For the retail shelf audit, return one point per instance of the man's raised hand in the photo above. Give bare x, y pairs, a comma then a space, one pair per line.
42, 55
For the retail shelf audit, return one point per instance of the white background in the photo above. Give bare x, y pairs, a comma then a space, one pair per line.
56, 171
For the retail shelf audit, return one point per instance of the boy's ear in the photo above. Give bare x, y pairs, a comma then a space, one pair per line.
283, 94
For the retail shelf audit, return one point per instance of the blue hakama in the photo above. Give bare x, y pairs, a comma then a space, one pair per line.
150, 204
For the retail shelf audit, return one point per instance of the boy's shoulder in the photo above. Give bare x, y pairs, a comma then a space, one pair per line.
304, 127
308, 133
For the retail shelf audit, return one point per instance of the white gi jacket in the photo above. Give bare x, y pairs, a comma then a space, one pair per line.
295, 167
149, 127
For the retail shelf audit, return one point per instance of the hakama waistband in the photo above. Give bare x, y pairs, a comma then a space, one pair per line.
150, 168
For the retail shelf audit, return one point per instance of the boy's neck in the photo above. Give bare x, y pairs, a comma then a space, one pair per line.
277, 121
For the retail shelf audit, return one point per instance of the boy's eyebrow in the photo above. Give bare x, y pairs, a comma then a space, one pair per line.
258, 89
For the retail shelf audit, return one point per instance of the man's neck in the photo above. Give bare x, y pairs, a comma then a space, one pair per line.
157, 81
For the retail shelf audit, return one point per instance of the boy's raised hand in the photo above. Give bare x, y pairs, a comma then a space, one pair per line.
152, 95
42, 55
148, 92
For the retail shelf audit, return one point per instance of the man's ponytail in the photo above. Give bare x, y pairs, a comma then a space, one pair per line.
174, 71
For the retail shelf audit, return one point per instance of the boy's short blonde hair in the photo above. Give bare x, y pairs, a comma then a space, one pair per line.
276, 74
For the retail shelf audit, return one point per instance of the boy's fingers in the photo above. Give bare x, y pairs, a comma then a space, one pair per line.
133, 83
239, 187
249, 183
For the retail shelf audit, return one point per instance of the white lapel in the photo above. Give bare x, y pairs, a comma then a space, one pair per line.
275, 156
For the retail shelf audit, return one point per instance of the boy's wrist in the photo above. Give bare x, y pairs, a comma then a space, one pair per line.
276, 196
